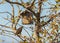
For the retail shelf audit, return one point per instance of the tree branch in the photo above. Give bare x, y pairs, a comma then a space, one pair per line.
6, 30
6, 19
51, 19
32, 3
21, 5
11, 37
7, 12
14, 33
39, 6
5, 26
18, 17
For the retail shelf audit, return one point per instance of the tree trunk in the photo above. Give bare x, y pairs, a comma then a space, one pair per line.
37, 29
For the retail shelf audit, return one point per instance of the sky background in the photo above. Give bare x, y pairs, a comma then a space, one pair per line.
6, 7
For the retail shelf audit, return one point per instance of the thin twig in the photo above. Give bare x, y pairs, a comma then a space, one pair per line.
6, 19
27, 32
7, 12
5, 26
11, 37
21, 5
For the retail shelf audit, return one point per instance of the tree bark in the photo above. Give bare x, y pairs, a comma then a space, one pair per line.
38, 24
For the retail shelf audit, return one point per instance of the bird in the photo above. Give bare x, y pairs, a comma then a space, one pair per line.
19, 30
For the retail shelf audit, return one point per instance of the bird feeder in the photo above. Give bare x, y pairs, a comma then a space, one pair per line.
27, 17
